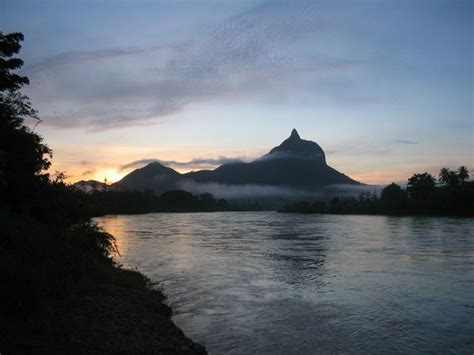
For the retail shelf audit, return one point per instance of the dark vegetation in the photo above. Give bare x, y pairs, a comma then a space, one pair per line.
100, 203
61, 292
451, 195
110, 200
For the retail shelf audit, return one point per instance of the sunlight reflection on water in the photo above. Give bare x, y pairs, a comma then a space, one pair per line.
279, 283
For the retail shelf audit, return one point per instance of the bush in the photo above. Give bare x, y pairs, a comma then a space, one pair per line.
39, 261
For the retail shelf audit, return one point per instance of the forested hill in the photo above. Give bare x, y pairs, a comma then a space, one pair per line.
295, 164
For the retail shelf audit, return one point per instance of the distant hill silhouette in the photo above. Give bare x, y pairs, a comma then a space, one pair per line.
295, 163
89, 186
154, 176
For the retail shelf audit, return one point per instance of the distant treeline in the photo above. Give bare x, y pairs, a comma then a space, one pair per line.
100, 203
451, 194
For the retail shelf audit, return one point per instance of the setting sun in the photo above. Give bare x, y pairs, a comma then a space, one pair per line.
110, 174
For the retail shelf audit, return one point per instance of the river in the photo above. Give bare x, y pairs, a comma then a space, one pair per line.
274, 283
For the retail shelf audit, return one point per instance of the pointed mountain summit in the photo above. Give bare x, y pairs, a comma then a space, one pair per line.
297, 148
296, 163
294, 134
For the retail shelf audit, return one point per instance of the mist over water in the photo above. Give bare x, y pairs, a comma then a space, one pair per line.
265, 282
255, 193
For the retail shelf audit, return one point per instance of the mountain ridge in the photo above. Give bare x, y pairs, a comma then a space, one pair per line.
295, 163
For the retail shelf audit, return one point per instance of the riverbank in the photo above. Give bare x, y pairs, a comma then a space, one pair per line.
122, 315
62, 293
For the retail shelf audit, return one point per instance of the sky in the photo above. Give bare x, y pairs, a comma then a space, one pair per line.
384, 87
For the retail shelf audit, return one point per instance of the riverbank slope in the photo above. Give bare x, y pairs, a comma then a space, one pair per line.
63, 293
122, 314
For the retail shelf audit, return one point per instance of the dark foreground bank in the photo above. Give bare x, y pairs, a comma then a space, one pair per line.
62, 293
99, 319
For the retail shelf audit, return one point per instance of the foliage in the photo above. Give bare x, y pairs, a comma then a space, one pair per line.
23, 156
181, 201
463, 174
10, 45
393, 199
454, 196
451, 179
39, 260
420, 186
99, 203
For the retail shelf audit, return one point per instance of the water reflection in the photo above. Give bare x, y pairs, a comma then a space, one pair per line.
121, 229
276, 283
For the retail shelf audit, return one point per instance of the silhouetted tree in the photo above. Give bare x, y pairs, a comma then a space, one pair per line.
393, 198
452, 179
60, 177
207, 201
463, 174
420, 186
10, 45
422, 196
23, 156
444, 176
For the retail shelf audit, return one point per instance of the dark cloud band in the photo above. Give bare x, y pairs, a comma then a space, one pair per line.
194, 163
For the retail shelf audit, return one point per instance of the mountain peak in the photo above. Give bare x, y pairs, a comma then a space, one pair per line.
297, 148
296, 163
294, 134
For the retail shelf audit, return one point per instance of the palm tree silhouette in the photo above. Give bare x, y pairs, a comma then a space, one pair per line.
463, 174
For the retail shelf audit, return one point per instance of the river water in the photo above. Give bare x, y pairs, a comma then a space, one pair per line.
274, 283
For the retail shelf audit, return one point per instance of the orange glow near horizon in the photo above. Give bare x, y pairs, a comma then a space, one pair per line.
379, 177
111, 175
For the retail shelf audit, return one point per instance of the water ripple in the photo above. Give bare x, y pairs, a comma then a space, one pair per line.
271, 283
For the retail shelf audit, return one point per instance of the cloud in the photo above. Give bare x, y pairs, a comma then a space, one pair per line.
88, 172
253, 52
53, 63
405, 142
138, 164
198, 163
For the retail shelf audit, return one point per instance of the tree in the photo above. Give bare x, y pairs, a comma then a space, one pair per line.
420, 186
452, 179
393, 198
444, 176
23, 156
10, 45
60, 177
463, 174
